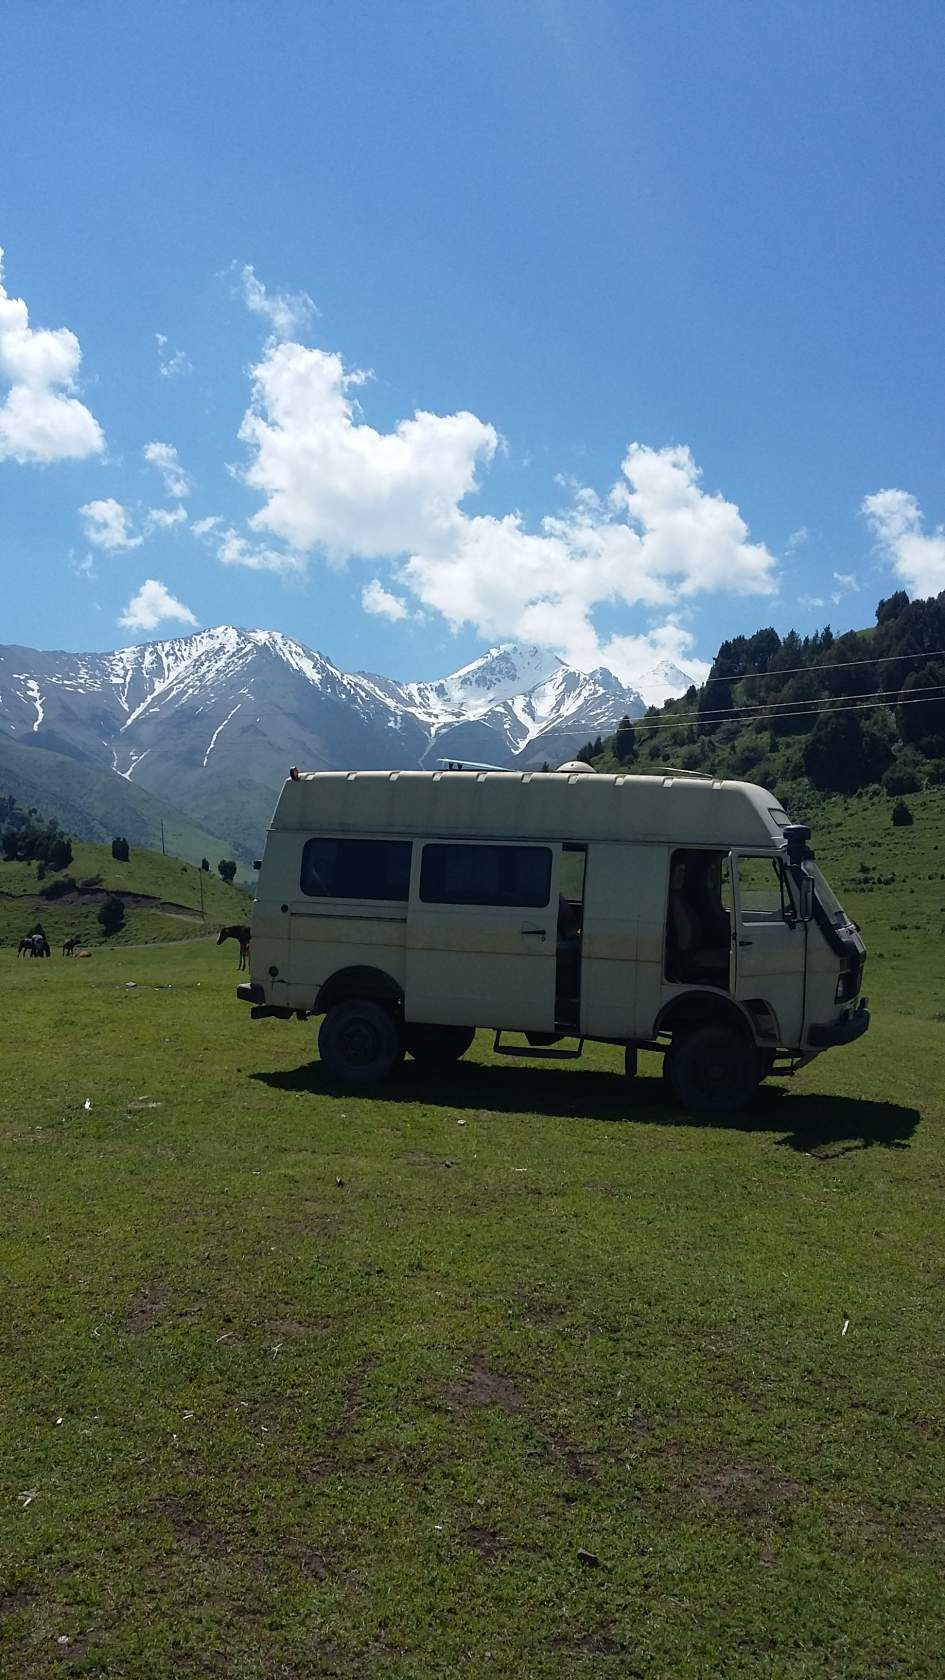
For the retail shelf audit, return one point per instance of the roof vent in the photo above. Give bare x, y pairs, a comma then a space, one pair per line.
574, 767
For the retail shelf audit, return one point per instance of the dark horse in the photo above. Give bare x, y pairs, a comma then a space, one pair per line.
242, 935
34, 945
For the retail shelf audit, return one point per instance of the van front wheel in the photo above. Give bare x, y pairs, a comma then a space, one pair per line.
436, 1046
712, 1069
359, 1042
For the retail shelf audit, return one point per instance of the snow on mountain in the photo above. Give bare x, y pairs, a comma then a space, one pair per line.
213, 721
663, 682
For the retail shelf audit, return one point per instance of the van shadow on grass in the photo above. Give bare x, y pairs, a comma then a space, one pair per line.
812, 1124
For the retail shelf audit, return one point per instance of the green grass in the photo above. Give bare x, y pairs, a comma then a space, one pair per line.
258, 1422
172, 887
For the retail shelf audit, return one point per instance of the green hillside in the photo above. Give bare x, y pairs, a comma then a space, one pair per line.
95, 804
161, 895
808, 716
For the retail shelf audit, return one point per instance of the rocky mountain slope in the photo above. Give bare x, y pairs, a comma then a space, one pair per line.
210, 723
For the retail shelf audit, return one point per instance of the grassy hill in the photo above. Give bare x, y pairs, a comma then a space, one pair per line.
95, 804
162, 897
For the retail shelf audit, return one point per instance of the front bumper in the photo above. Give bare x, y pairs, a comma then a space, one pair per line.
250, 993
828, 1034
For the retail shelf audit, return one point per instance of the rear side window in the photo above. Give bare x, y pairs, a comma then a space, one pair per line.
518, 876
356, 869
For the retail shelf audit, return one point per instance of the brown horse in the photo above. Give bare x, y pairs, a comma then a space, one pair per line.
241, 934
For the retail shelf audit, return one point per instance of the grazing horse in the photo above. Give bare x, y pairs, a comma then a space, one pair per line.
242, 935
34, 945
69, 946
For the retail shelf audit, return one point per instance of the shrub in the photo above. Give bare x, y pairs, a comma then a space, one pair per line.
120, 849
901, 779
901, 815
112, 915
227, 869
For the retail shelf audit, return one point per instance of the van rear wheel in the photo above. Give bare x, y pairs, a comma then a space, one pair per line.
359, 1041
712, 1069
436, 1046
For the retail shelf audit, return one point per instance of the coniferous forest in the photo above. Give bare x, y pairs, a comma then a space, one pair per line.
831, 713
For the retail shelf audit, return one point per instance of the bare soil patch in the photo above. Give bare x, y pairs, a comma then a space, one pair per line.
745, 1490
484, 1387
144, 1310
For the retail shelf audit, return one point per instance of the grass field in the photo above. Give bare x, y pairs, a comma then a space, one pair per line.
163, 895
300, 1383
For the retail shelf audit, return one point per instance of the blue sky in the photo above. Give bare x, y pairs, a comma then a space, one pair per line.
408, 329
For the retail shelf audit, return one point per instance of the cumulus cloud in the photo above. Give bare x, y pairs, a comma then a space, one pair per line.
232, 549
918, 558
163, 456
286, 312
152, 605
335, 485
172, 363
38, 420
107, 524
162, 518
378, 600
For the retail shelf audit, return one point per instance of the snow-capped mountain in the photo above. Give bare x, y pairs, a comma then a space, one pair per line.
211, 722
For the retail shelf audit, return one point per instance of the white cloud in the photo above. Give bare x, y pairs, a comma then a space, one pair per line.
334, 484
106, 524
151, 606
37, 421
235, 550
172, 363
84, 568
286, 312
811, 601
896, 520
847, 580
163, 518
376, 599
163, 456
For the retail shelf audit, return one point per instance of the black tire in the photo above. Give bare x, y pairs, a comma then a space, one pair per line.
712, 1069
630, 1062
436, 1046
359, 1042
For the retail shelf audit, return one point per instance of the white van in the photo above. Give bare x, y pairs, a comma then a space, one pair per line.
673, 913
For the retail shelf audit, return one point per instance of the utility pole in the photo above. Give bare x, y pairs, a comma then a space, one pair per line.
164, 853
200, 878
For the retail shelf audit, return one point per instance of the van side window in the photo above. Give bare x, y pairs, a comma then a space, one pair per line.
517, 876
356, 869
699, 919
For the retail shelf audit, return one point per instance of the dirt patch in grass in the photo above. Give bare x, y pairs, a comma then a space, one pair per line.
19, 1598
488, 1542
191, 1529
143, 1311
295, 1327
744, 1489
484, 1387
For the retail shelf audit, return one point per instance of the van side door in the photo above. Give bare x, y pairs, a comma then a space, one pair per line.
481, 934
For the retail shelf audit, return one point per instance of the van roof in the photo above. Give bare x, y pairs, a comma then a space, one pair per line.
531, 805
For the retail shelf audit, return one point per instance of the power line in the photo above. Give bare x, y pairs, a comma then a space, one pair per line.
721, 717
835, 665
890, 696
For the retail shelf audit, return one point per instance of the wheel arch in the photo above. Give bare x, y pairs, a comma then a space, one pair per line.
702, 1009
358, 981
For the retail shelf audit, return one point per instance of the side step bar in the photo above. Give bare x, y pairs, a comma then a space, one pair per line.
548, 1053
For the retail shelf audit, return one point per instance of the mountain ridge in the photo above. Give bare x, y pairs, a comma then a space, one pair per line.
210, 722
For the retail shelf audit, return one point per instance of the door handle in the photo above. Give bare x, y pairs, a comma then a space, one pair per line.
744, 942
531, 932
